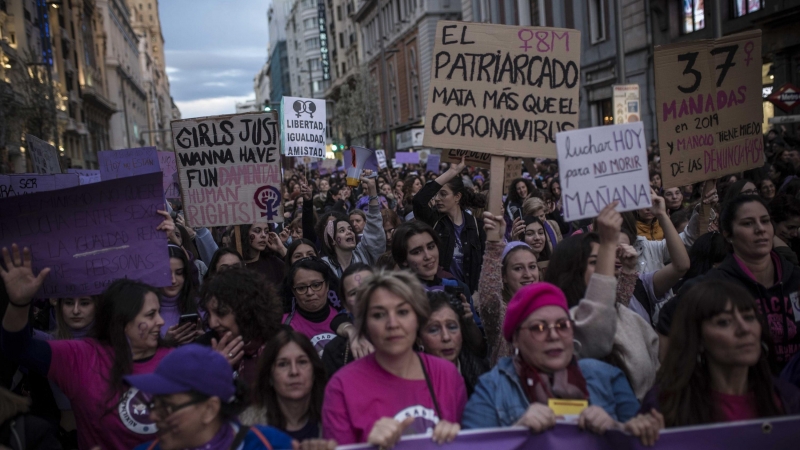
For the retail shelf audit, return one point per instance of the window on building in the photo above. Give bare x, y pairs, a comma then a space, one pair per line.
310, 23
314, 63
341, 40
413, 75
393, 93
693, 15
597, 20
149, 6
339, 12
344, 69
744, 7
602, 112
316, 86
312, 43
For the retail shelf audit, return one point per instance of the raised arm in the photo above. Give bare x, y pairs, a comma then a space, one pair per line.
665, 278
595, 315
374, 239
308, 212
490, 305
420, 202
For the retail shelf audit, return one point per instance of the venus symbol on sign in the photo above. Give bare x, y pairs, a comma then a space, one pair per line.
304, 106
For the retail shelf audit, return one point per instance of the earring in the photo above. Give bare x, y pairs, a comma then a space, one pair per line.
516, 351
421, 348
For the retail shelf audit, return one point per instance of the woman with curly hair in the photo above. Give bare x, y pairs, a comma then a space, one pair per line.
244, 313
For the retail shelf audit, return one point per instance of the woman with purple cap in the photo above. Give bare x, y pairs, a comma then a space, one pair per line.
195, 402
531, 388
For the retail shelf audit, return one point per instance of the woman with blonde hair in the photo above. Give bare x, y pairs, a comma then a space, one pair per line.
395, 390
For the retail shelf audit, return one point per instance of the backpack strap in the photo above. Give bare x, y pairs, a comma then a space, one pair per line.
261, 437
153, 445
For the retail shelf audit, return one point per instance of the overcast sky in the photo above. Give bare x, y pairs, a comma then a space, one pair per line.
214, 48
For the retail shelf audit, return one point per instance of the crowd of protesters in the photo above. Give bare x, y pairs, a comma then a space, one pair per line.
402, 306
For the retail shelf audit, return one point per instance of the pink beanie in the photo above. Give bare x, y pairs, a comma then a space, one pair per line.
529, 299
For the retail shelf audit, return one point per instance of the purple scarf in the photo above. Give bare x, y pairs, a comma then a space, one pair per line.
169, 312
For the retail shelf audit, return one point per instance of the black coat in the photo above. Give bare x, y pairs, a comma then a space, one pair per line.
473, 237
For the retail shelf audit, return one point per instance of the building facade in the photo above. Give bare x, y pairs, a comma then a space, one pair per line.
305, 44
396, 44
147, 25
280, 83
261, 85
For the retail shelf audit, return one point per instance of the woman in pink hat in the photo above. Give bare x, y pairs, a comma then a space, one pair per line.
526, 389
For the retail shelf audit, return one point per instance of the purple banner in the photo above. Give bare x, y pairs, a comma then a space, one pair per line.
127, 163
780, 433
169, 170
91, 235
433, 163
29, 183
406, 157
88, 176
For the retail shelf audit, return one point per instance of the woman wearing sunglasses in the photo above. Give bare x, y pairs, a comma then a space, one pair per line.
520, 389
309, 281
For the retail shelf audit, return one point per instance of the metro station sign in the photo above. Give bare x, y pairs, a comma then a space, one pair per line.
787, 97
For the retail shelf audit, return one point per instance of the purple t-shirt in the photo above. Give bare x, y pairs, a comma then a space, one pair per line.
81, 369
362, 392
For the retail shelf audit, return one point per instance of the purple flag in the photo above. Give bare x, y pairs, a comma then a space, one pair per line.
779, 433
91, 235
433, 163
128, 162
406, 157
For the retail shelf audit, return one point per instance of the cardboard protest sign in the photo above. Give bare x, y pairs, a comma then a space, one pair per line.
433, 164
407, 157
44, 157
708, 104
28, 183
601, 165
229, 169
380, 155
512, 172
127, 162
303, 127
166, 160
91, 235
504, 89
87, 176
474, 159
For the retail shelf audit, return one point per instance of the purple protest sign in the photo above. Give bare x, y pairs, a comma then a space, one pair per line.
91, 235
778, 433
87, 176
29, 183
433, 163
406, 157
128, 162
169, 170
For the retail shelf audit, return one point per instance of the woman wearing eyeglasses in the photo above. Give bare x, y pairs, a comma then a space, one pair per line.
309, 281
520, 389
195, 403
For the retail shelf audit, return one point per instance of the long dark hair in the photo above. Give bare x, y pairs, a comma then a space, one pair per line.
212, 265
63, 330
312, 264
250, 297
119, 305
731, 208
568, 263
548, 245
322, 223
187, 299
707, 250
265, 395
683, 381
469, 199
293, 246
783, 207
513, 196
406, 231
